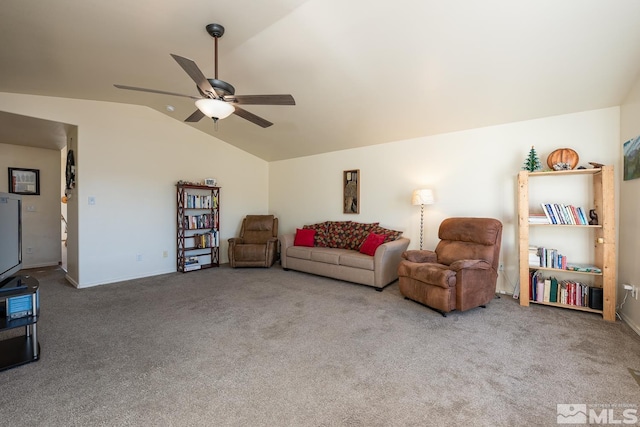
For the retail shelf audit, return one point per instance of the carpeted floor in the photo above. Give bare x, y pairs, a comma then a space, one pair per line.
267, 347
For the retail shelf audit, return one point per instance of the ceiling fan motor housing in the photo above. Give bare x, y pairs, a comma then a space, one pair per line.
215, 30
222, 88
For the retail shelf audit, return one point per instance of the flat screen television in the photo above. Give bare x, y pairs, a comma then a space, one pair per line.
10, 237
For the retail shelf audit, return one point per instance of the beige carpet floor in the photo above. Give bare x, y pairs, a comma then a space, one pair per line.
267, 347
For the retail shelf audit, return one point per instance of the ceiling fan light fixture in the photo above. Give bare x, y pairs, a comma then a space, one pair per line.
215, 108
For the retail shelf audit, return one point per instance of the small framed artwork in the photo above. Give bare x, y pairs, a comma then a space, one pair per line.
351, 191
24, 181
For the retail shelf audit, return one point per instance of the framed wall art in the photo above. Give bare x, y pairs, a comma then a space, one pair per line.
24, 181
351, 191
631, 152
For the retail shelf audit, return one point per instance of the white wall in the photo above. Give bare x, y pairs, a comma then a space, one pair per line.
41, 213
472, 172
129, 158
629, 248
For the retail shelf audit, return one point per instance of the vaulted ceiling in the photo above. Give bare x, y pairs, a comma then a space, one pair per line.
362, 72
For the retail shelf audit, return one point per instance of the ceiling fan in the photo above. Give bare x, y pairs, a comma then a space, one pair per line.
217, 98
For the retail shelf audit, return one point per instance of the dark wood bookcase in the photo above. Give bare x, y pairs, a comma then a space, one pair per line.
198, 227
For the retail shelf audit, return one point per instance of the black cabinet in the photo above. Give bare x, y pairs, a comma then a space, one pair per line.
20, 291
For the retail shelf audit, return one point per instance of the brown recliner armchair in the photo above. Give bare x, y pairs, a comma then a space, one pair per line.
257, 245
462, 271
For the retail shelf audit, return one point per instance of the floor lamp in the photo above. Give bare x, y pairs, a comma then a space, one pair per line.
422, 197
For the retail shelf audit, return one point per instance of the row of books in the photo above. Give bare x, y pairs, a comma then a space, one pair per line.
551, 258
206, 240
200, 201
563, 291
548, 258
192, 263
564, 214
195, 222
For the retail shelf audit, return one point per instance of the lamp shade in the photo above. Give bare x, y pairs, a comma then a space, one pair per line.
214, 108
423, 196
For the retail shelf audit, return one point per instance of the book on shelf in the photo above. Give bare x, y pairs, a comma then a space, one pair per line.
586, 268
557, 213
559, 216
538, 218
198, 222
583, 217
198, 201
540, 290
205, 240
547, 258
548, 210
191, 263
534, 258
547, 290
551, 290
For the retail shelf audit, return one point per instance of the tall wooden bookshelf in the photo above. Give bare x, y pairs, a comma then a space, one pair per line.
603, 235
198, 227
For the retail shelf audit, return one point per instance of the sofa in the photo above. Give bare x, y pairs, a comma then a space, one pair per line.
361, 253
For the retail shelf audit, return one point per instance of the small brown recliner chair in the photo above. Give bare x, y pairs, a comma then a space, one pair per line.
462, 271
257, 245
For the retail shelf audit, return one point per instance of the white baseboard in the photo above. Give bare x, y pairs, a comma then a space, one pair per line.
70, 280
629, 322
41, 265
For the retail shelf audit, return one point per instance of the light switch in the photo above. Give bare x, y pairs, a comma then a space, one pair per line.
92, 200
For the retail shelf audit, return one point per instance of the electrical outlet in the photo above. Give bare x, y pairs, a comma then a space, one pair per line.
632, 288
165, 254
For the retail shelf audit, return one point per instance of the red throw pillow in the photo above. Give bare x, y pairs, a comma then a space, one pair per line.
371, 243
304, 237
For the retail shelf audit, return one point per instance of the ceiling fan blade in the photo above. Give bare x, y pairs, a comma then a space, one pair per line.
196, 75
261, 99
195, 117
163, 92
252, 117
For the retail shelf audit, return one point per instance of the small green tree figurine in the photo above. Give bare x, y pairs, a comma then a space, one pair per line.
532, 163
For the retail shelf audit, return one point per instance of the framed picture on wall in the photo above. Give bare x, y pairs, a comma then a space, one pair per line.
24, 181
351, 191
631, 152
